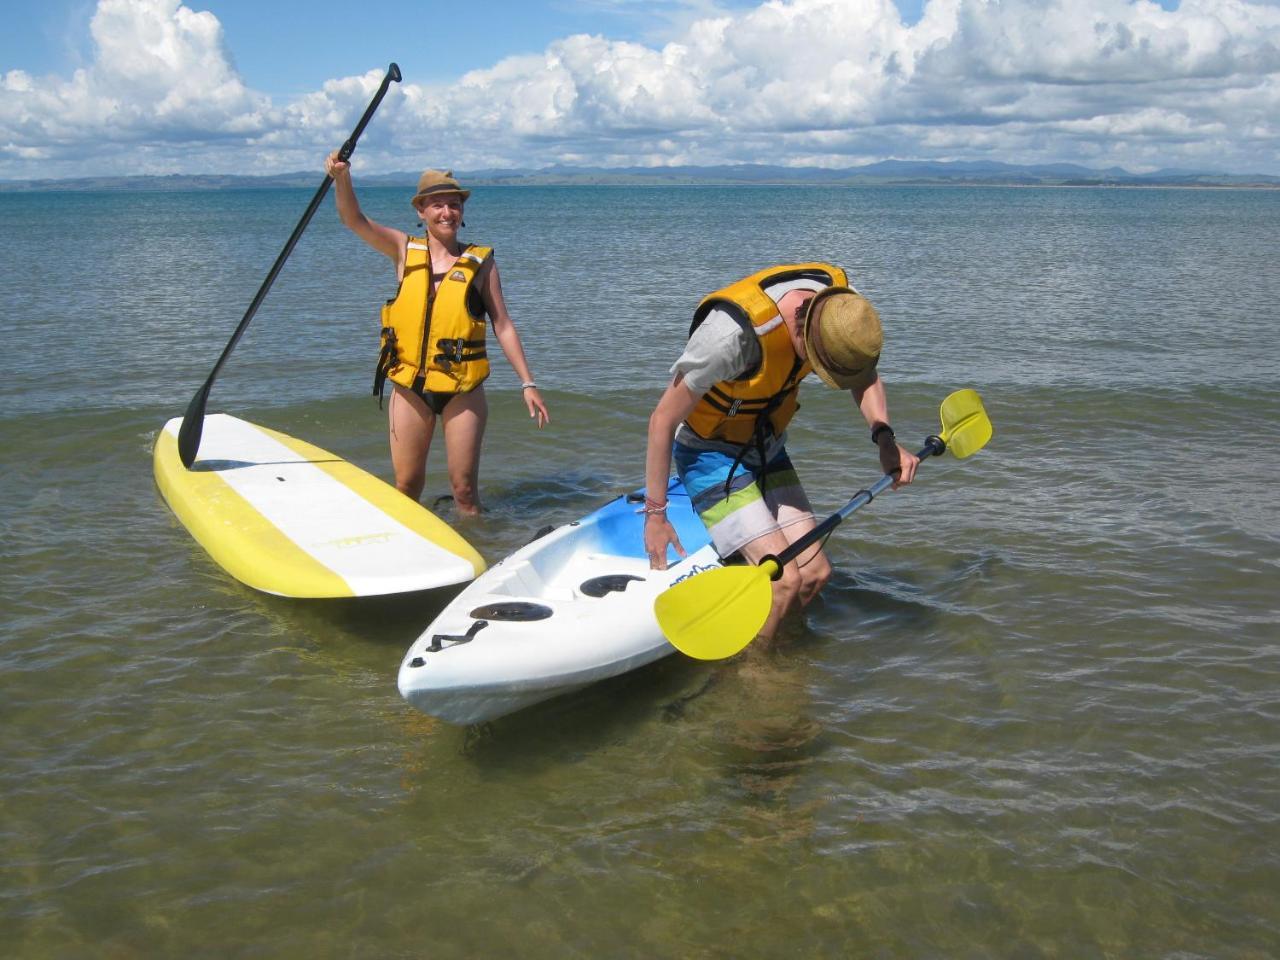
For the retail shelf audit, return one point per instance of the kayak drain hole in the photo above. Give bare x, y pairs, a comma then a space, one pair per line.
517, 610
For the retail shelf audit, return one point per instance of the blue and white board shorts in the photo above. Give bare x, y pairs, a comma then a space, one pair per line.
745, 513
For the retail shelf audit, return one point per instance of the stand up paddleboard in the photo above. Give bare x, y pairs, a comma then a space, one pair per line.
570, 608
289, 518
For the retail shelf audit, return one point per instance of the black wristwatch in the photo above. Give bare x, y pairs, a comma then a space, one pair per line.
880, 428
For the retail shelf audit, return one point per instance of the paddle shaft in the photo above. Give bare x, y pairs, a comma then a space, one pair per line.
933, 446
193, 419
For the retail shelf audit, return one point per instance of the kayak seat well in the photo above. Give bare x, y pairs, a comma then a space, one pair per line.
609, 583
519, 578
594, 558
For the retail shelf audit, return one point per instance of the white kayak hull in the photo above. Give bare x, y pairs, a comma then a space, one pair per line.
571, 608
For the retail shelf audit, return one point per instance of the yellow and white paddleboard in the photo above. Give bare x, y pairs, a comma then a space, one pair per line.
289, 518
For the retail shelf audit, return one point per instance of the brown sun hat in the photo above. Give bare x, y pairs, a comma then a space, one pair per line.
843, 337
433, 182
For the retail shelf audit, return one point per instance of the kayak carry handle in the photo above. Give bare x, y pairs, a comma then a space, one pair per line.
438, 639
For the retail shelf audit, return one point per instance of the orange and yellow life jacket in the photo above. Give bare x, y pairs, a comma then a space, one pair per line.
765, 399
433, 335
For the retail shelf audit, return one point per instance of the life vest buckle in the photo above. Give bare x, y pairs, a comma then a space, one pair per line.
451, 351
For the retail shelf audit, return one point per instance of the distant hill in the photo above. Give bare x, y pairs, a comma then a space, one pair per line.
884, 173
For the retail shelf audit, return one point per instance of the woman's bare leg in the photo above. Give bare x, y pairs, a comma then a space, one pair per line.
411, 423
464, 419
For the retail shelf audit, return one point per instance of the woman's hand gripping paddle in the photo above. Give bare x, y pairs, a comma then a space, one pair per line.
193, 420
715, 614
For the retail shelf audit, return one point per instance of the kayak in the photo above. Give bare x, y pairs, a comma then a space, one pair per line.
570, 608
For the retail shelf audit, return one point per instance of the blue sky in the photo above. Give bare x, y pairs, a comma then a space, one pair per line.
158, 86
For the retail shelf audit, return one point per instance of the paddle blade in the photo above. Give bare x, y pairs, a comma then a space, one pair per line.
966, 428
715, 614
192, 427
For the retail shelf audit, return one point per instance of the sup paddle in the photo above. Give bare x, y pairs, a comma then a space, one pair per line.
193, 420
714, 614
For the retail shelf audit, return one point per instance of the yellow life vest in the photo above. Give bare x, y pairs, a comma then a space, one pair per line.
766, 398
433, 336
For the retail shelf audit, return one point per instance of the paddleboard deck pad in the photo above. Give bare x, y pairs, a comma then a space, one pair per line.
570, 608
288, 518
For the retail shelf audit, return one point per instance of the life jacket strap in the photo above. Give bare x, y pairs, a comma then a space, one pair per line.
458, 350
386, 360
762, 428
758, 441
732, 406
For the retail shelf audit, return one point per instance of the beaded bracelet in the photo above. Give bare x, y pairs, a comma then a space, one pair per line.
652, 507
527, 384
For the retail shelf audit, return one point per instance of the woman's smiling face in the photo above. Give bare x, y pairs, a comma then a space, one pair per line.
443, 211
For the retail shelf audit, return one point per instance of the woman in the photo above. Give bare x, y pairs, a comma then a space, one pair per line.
433, 334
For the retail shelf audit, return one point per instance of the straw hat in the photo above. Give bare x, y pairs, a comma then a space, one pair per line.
843, 337
437, 181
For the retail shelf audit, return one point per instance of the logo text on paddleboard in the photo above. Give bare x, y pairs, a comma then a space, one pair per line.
344, 543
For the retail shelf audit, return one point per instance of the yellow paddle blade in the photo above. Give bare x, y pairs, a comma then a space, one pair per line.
714, 614
966, 428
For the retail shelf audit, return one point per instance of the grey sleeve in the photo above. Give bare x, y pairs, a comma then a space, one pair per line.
718, 350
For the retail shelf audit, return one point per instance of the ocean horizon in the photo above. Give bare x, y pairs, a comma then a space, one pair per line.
892, 173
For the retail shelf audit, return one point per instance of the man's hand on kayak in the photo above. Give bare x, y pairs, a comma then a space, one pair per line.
658, 535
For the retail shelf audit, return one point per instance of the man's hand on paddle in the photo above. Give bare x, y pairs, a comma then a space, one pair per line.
897, 460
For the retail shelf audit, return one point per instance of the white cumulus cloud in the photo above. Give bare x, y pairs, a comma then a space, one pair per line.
830, 82
161, 77
836, 82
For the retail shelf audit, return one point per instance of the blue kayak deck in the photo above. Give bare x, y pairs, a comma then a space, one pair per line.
620, 528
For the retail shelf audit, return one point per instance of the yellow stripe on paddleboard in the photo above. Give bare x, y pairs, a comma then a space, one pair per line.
235, 534
386, 498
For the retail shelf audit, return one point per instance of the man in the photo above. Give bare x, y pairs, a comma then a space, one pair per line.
733, 391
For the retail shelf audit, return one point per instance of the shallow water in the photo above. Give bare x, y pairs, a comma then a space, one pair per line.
1034, 714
